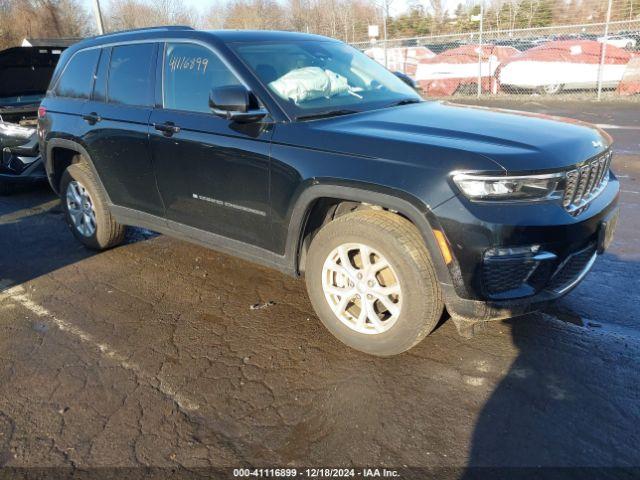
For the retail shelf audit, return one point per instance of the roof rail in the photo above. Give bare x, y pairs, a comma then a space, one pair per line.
146, 29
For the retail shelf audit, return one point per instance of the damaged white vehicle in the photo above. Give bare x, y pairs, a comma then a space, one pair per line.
25, 73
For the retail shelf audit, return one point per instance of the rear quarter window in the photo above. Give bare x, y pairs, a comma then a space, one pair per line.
77, 78
130, 79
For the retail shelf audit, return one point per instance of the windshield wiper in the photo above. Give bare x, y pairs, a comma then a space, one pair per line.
326, 114
404, 101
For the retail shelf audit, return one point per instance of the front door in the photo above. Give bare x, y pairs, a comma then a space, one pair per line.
213, 174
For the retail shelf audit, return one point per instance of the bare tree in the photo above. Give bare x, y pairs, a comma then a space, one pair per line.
127, 14
215, 16
255, 14
299, 15
41, 19
344, 19
438, 10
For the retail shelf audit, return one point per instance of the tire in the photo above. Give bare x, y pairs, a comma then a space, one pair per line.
103, 232
467, 89
416, 308
552, 89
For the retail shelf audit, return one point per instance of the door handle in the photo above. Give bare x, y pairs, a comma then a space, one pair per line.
167, 128
92, 118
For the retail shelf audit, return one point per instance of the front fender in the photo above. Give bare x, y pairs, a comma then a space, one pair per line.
410, 207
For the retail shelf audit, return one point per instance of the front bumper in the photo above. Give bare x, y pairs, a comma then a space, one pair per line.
567, 278
565, 247
22, 164
31, 173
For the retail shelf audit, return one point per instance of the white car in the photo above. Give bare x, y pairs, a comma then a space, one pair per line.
401, 59
457, 69
619, 41
564, 65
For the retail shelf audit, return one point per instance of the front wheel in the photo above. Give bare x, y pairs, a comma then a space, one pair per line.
371, 282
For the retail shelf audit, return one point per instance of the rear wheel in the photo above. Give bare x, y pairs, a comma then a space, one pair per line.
372, 283
86, 209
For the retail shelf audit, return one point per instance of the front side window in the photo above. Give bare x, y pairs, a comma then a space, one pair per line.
310, 77
129, 81
77, 79
190, 72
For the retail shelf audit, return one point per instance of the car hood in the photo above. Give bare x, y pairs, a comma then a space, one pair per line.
463, 137
26, 70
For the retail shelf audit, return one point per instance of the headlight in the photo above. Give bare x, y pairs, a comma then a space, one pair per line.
526, 187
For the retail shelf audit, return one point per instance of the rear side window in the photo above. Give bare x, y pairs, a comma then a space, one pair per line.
190, 71
129, 80
77, 79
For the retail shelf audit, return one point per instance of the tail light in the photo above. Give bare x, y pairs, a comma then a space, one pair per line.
42, 112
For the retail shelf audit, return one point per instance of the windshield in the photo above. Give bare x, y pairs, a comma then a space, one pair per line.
316, 77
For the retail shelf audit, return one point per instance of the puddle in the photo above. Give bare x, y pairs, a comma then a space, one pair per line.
565, 316
593, 325
40, 327
138, 234
262, 306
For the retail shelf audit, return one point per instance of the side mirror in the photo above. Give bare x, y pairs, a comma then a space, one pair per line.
235, 103
406, 79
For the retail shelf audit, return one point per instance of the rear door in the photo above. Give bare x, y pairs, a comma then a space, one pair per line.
213, 173
116, 126
65, 103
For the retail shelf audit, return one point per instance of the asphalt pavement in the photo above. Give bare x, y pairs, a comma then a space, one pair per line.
160, 353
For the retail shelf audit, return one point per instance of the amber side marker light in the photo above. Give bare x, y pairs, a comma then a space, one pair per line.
444, 246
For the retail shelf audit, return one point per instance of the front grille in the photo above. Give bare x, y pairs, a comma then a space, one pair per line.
571, 269
584, 183
502, 275
521, 275
540, 276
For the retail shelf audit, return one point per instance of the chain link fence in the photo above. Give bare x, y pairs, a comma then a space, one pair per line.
590, 60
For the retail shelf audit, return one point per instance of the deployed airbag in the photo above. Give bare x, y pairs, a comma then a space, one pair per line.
309, 83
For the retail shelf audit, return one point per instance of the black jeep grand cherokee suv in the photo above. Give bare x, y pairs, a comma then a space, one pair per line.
300, 153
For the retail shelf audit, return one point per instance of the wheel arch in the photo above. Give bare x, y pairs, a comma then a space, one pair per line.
398, 202
57, 160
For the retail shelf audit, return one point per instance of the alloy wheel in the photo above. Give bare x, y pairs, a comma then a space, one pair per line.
81, 209
552, 89
362, 288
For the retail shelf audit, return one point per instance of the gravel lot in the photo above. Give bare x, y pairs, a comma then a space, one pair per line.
164, 354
